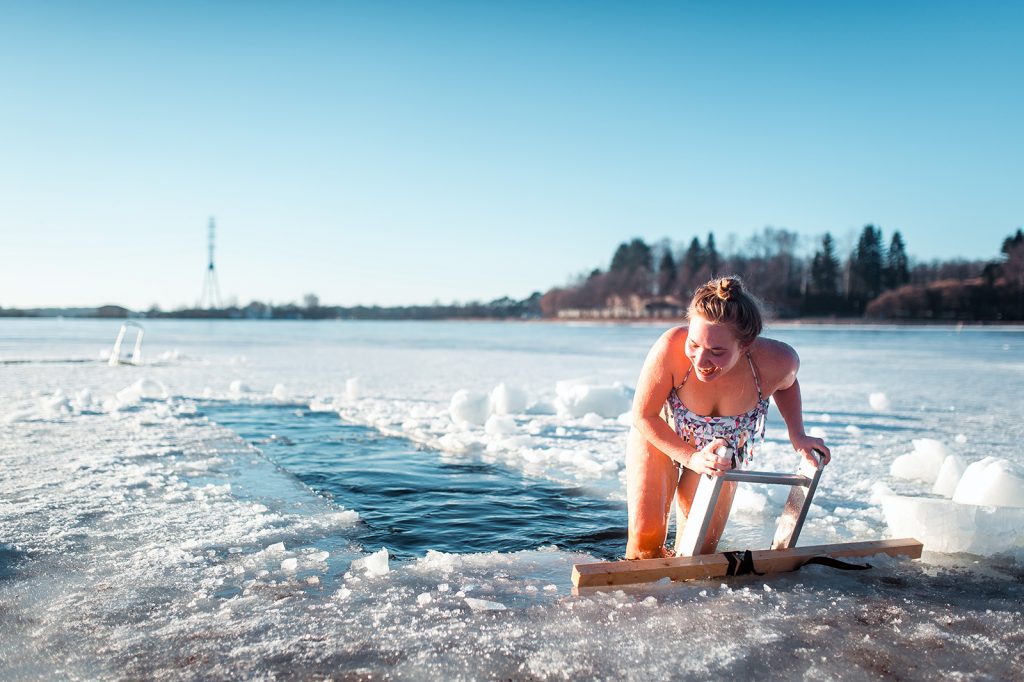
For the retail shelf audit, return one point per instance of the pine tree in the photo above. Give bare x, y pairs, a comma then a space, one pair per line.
711, 255
667, 273
897, 265
694, 257
866, 266
620, 260
629, 257
825, 268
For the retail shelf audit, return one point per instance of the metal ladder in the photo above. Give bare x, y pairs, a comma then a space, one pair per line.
115, 353
802, 486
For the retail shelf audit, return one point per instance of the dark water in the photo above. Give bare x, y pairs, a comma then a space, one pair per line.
411, 499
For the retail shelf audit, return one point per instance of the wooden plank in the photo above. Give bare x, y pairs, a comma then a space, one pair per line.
605, 574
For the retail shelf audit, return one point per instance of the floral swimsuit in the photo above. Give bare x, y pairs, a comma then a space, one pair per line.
738, 430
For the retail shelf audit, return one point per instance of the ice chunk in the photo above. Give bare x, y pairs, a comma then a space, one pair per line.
923, 463
817, 432
577, 398
592, 420
854, 430
237, 387
469, 408
280, 393
879, 402
991, 482
541, 407
424, 598
500, 425
748, 501
276, 548
949, 475
484, 605
375, 564
508, 400
150, 389
947, 526
352, 388
289, 564
960, 438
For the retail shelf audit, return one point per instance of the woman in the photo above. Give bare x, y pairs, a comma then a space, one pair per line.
717, 365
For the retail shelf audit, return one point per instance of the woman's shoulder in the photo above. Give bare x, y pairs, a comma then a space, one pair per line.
675, 334
672, 336
774, 359
670, 343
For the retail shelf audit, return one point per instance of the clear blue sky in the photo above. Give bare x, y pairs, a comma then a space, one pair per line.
402, 152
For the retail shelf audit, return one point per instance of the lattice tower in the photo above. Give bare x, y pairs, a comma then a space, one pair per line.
210, 298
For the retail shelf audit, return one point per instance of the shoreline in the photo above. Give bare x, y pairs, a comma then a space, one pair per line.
581, 321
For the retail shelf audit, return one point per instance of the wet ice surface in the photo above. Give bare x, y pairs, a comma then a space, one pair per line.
137, 539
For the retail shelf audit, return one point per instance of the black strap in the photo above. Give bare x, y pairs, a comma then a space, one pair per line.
834, 563
741, 563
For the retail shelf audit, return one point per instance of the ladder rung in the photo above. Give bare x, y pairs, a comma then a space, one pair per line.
772, 477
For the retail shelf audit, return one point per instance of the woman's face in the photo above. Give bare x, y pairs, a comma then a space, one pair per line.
712, 348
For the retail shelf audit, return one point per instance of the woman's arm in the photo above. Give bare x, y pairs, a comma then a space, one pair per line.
790, 403
655, 382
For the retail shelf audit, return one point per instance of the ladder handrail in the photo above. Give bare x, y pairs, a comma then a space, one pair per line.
769, 477
115, 353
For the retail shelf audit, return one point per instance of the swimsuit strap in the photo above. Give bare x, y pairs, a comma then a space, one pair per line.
683, 383
757, 381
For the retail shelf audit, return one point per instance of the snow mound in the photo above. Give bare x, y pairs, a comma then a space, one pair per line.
469, 408
923, 464
280, 393
352, 388
991, 482
508, 400
143, 389
879, 402
500, 425
577, 398
949, 476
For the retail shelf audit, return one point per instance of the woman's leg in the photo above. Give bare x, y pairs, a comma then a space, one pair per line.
684, 498
650, 483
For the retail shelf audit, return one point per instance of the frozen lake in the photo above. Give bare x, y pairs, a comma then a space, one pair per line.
221, 509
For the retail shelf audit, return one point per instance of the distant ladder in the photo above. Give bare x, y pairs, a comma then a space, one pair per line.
802, 486
115, 354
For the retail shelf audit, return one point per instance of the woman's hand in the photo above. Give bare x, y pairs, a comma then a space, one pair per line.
806, 445
705, 461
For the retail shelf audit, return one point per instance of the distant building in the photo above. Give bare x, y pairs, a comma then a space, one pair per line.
112, 311
632, 307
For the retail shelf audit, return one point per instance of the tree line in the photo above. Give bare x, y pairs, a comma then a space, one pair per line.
876, 278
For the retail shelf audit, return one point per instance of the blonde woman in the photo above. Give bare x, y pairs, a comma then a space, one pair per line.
712, 379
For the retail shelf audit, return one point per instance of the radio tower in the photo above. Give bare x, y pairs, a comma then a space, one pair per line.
211, 292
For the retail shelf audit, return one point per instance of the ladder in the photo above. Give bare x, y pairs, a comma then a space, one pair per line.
802, 486
115, 354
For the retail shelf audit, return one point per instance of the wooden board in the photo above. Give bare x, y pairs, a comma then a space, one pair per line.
604, 574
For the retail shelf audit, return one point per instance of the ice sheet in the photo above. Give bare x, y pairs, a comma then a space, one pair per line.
137, 540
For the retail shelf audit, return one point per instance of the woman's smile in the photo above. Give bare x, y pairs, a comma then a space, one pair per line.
708, 371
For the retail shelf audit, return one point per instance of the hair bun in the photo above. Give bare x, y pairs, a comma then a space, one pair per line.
728, 288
